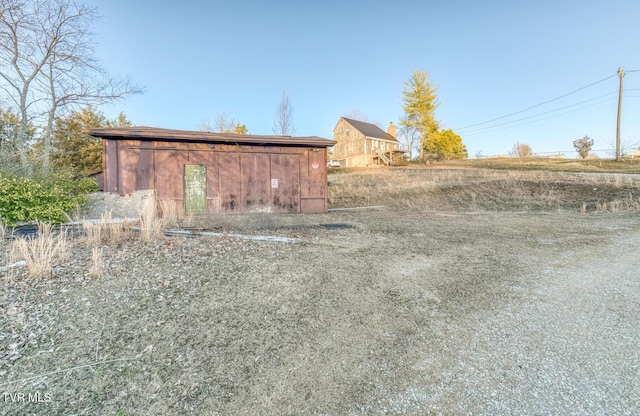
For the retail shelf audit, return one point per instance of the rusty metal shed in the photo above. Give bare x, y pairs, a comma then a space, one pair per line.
216, 172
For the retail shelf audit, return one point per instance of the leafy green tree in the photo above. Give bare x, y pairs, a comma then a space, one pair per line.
8, 130
9, 140
78, 151
120, 121
419, 104
446, 145
583, 146
74, 149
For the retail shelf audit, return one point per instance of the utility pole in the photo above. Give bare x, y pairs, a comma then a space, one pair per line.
621, 75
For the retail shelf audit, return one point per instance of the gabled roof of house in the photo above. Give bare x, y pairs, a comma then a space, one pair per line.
153, 133
370, 130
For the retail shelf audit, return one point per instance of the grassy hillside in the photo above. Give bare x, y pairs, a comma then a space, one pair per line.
558, 165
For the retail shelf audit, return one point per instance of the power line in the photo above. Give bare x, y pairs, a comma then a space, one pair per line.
542, 114
481, 130
538, 105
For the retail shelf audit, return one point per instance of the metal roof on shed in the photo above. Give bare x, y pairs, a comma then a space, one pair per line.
153, 133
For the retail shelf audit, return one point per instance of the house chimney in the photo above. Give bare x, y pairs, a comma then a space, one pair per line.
392, 130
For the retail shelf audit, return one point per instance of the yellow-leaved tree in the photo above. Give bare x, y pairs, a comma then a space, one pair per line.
447, 145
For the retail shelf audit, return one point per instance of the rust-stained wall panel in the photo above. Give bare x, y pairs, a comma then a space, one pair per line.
285, 182
313, 205
200, 146
144, 175
230, 189
128, 167
110, 165
315, 174
255, 180
169, 175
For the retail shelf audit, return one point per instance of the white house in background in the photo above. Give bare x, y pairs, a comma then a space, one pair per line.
634, 155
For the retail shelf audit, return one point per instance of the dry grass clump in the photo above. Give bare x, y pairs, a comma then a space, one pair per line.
4, 245
169, 213
629, 204
97, 263
151, 225
41, 252
107, 230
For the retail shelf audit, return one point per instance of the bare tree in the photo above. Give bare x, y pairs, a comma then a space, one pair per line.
626, 147
47, 64
521, 150
223, 123
411, 138
283, 119
356, 114
205, 125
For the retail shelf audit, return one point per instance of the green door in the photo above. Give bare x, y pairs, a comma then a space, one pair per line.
195, 189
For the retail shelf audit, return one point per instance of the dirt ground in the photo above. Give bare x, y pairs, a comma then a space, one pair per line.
448, 298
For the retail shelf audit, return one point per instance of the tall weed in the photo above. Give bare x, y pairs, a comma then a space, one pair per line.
151, 226
41, 252
107, 230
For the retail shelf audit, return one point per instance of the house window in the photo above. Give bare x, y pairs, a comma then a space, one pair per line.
347, 131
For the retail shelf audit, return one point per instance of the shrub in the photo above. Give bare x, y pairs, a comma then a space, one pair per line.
447, 145
583, 146
41, 198
106, 230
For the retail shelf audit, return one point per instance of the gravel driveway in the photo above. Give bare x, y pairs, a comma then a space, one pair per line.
370, 312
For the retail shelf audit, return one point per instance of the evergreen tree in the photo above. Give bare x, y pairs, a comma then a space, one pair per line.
419, 104
76, 150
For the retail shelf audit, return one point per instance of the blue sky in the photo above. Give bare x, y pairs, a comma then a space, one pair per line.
489, 59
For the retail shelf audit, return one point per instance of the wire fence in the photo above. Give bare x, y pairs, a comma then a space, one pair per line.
632, 152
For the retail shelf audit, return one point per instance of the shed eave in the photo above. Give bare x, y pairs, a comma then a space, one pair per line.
157, 134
